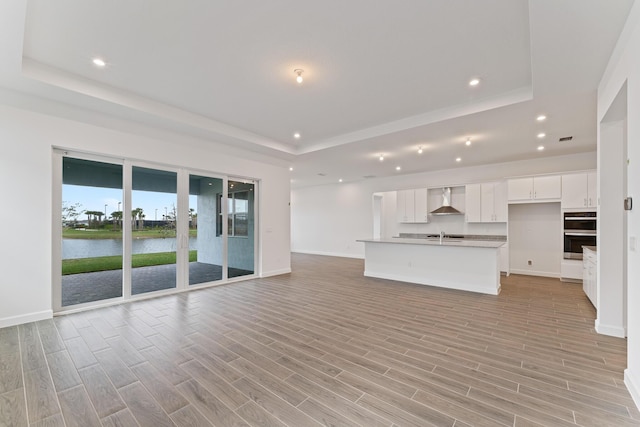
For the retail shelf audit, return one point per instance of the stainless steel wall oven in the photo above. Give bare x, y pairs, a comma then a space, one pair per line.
579, 230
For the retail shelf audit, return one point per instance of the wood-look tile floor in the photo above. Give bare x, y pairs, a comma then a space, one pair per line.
321, 346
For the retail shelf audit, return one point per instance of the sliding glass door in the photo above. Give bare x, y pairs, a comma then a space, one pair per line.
240, 228
206, 244
127, 229
154, 243
91, 235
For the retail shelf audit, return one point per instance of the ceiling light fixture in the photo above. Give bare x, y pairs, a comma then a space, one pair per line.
99, 62
468, 143
381, 158
541, 118
299, 72
474, 82
398, 168
540, 147
296, 135
290, 168
420, 150
340, 180
458, 159
542, 135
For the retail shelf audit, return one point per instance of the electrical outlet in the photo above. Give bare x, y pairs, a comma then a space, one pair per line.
529, 262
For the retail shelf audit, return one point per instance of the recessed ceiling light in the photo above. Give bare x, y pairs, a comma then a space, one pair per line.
381, 158
98, 62
542, 135
420, 150
290, 168
474, 82
458, 159
299, 72
340, 180
468, 143
398, 168
541, 118
540, 147
296, 135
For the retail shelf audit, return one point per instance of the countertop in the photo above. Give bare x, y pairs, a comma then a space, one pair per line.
471, 243
590, 248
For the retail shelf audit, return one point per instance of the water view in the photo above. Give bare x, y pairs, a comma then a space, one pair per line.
83, 248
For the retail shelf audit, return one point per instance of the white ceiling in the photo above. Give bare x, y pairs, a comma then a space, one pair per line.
380, 77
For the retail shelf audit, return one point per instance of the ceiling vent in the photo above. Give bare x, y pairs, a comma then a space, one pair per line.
565, 138
369, 176
322, 174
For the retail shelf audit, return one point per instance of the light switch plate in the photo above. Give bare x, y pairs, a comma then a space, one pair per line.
628, 204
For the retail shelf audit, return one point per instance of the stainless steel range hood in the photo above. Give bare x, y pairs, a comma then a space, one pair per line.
446, 208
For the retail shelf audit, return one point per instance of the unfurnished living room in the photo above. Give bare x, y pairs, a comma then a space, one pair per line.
286, 213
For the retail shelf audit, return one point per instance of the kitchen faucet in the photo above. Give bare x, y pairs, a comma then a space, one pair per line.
441, 236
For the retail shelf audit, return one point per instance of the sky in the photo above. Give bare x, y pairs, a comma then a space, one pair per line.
95, 199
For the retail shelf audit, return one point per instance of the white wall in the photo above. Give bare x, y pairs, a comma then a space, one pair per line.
27, 139
624, 67
535, 234
328, 219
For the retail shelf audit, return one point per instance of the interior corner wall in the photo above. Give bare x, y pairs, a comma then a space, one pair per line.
27, 140
611, 238
624, 67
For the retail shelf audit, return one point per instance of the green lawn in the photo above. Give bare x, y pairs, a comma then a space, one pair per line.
104, 263
156, 233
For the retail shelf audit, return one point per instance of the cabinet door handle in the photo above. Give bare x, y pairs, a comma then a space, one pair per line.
534, 194
590, 202
530, 194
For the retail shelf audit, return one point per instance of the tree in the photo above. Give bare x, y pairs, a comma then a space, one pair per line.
193, 217
137, 213
117, 217
93, 217
169, 227
70, 213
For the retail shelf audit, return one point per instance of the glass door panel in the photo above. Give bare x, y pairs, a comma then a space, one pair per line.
91, 231
240, 228
153, 230
206, 251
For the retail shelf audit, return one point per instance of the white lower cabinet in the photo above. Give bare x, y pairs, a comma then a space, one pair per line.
589, 276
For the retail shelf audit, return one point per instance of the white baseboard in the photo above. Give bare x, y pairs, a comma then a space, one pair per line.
535, 273
633, 385
25, 318
337, 254
614, 331
275, 272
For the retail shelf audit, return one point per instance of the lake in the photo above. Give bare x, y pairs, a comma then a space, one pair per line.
86, 248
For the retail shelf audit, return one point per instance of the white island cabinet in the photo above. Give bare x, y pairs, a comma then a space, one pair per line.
468, 265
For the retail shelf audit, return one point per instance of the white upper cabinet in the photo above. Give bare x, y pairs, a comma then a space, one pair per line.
535, 189
472, 203
579, 190
486, 202
500, 202
421, 208
411, 206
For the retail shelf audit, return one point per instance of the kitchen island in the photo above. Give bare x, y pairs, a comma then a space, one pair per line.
468, 265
